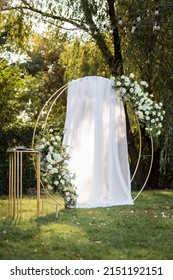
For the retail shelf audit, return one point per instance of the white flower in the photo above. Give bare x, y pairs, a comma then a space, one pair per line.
131, 75
143, 83
51, 149
53, 170
49, 158
58, 138
54, 163
41, 146
140, 115
62, 181
49, 166
127, 80
157, 106
148, 111
139, 93
123, 90
51, 130
127, 83
118, 84
57, 157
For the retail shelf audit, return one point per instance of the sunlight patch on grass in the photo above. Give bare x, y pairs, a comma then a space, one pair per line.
140, 231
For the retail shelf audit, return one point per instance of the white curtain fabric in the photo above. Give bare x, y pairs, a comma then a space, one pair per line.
95, 134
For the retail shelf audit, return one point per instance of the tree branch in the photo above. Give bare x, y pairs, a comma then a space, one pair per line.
96, 35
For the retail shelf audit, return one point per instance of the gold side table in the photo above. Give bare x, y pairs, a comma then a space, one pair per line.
15, 180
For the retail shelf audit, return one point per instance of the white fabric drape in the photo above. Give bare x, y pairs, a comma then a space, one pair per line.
95, 134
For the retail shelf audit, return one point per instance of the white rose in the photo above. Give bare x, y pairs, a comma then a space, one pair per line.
131, 75
56, 183
139, 93
127, 80
118, 84
123, 90
49, 166
140, 115
62, 181
58, 138
42, 146
131, 90
127, 84
48, 158
51, 149
53, 170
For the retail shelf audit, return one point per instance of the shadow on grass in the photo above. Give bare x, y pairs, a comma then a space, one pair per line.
122, 232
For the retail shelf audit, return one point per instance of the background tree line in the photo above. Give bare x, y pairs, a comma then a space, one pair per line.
108, 38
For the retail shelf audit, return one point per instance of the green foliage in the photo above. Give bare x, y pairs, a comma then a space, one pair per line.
14, 136
10, 86
15, 30
145, 52
83, 58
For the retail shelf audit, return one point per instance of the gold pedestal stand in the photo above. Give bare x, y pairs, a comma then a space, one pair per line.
15, 180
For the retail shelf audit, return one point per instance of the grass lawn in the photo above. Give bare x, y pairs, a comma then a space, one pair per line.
142, 231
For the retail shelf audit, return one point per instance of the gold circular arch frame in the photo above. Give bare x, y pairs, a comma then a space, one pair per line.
50, 103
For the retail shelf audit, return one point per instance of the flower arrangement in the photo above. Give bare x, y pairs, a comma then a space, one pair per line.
54, 167
148, 111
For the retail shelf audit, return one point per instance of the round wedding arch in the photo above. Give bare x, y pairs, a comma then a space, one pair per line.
44, 119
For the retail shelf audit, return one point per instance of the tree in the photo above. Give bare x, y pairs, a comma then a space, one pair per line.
130, 25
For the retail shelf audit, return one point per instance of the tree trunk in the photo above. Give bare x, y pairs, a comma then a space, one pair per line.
153, 182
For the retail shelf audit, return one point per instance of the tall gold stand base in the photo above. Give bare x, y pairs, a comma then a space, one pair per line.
15, 181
